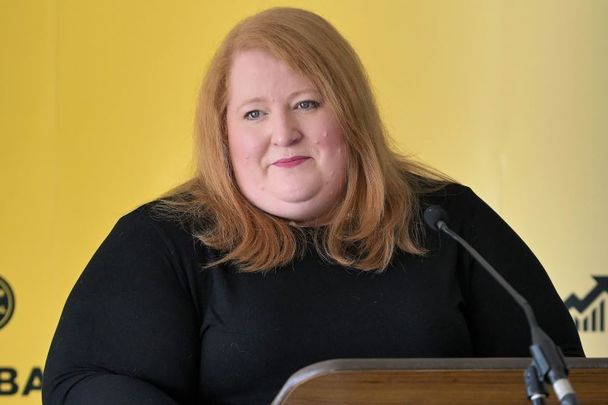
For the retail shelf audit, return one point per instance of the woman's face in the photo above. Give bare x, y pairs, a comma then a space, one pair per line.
286, 146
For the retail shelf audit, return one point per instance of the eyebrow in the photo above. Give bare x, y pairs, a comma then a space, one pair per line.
292, 95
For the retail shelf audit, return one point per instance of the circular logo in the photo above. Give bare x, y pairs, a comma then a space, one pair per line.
7, 302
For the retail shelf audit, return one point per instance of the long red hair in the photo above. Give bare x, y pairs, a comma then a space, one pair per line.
379, 211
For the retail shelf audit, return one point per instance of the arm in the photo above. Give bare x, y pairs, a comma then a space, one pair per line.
129, 331
497, 324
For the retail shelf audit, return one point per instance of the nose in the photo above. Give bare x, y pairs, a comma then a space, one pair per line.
285, 131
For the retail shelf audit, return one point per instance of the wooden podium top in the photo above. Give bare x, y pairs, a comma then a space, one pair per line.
433, 381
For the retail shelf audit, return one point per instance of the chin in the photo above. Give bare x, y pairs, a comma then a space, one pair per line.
301, 213
303, 205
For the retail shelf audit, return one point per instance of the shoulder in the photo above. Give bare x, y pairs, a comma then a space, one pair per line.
465, 209
150, 224
474, 220
146, 244
452, 197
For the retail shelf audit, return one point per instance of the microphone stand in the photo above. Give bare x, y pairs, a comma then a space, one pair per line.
535, 389
548, 363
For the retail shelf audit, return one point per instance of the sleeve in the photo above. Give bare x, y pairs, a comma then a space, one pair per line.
497, 324
128, 333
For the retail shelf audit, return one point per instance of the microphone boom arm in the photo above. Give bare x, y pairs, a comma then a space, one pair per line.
547, 359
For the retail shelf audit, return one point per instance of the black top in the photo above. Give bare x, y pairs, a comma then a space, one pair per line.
145, 324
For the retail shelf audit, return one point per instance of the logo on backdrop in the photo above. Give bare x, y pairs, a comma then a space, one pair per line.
590, 312
7, 302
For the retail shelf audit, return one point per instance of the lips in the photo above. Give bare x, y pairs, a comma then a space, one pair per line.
291, 161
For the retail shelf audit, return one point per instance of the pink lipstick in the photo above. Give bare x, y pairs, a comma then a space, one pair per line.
291, 161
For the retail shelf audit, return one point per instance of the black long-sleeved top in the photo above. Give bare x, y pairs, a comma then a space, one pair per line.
145, 324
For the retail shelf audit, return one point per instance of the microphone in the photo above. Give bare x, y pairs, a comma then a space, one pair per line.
547, 359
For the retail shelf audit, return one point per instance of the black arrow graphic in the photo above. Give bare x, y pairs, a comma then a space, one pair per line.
580, 305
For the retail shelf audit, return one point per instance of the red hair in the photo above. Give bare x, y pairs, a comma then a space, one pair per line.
379, 211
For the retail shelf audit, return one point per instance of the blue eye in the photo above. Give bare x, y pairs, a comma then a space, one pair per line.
307, 105
253, 115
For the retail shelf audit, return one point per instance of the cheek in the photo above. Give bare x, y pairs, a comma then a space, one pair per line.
330, 142
334, 141
336, 152
333, 153
328, 131
246, 147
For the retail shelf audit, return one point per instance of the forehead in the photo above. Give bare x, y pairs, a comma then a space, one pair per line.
258, 73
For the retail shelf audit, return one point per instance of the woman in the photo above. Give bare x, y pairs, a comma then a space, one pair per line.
298, 240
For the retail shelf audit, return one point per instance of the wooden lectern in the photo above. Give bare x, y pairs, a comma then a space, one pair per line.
433, 381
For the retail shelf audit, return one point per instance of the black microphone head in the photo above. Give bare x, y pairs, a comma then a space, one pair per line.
433, 214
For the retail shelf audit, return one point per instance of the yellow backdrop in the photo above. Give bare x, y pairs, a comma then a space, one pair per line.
97, 101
